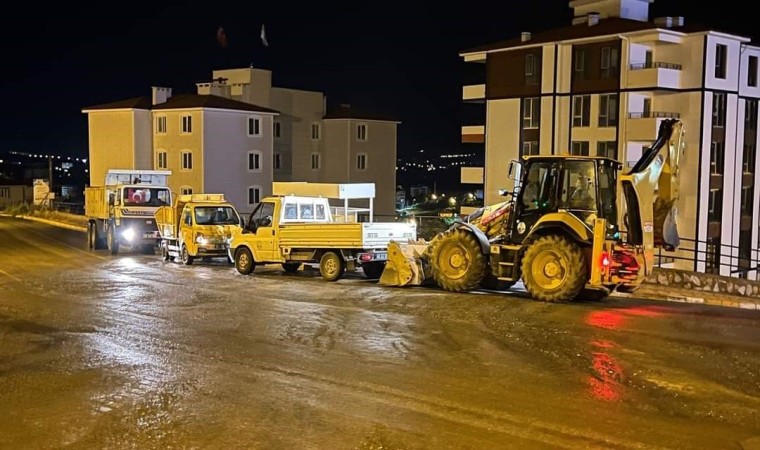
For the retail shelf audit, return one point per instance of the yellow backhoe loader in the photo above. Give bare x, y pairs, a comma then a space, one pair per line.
559, 233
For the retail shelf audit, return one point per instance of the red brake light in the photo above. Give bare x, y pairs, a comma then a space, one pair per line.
605, 260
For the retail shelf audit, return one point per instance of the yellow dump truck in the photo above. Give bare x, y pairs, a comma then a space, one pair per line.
291, 230
197, 226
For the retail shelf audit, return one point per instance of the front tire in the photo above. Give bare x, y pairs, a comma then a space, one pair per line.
185, 256
457, 261
112, 241
554, 269
165, 251
244, 262
331, 266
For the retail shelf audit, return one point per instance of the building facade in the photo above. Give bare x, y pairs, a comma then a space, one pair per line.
237, 134
314, 144
602, 86
209, 143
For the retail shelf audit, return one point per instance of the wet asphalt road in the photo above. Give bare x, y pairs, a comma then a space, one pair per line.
129, 352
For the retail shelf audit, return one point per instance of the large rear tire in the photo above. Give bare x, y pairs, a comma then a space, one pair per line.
457, 263
554, 269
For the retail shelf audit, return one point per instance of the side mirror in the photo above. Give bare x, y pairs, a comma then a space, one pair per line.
241, 221
513, 171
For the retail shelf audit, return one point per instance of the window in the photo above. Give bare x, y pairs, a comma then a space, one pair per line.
531, 112
581, 110
719, 109
748, 158
578, 185
316, 161
716, 158
608, 110
714, 205
315, 131
750, 115
607, 149
276, 129
537, 192
254, 161
187, 124
187, 161
361, 132
277, 160
530, 148
532, 69
579, 148
261, 216
361, 161
712, 256
752, 71
254, 126
580, 64
5, 192
254, 195
161, 125
186, 190
721, 53
610, 62
161, 160
746, 207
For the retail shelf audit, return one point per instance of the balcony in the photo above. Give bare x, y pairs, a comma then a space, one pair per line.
474, 93
473, 134
644, 126
654, 75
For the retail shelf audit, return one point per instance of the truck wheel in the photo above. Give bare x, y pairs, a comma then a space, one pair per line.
112, 241
456, 260
165, 251
91, 236
185, 256
373, 270
244, 262
554, 269
291, 267
331, 266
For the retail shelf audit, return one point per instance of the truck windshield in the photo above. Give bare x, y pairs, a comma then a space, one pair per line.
216, 215
146, 196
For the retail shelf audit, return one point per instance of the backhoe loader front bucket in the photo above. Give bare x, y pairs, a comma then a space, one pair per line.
406, 264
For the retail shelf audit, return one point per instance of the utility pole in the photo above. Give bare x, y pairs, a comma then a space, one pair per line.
50, 173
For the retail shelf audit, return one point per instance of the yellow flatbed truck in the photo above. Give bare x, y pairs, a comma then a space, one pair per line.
292, 229
197, 226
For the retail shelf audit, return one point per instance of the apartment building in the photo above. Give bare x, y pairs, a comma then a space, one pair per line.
209, 143
311, 143
237, 134
603, 84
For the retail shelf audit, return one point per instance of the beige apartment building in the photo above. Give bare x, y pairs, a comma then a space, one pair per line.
237, 134
602, 86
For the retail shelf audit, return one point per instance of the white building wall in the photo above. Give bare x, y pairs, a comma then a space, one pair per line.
745, 90
731, 197
502, 145
731, 82
755, 254
704, 184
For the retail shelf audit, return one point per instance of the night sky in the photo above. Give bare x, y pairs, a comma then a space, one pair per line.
397, 59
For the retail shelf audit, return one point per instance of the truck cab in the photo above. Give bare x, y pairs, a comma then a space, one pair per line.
197, 226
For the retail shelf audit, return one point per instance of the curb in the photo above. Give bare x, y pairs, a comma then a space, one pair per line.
50, 222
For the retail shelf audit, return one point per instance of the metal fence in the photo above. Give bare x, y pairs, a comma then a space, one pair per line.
716, 258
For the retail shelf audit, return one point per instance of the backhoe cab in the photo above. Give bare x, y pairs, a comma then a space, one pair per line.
559, 233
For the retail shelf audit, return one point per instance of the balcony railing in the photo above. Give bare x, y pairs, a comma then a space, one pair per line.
655, 65
654, 115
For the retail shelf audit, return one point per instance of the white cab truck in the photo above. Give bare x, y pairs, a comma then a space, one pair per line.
121, 212
197, 226
297, 225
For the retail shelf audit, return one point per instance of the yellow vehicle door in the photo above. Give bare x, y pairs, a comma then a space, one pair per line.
263, 224
185, 233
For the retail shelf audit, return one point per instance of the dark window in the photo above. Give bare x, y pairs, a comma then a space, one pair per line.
610, 62
721, 55
608, 110
579, 148
531, 111
607, 149
750, 115
719, 109
752, 71
748, 158
581, 110
716, 158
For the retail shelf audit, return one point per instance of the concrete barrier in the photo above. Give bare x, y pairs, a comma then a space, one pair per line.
705, 282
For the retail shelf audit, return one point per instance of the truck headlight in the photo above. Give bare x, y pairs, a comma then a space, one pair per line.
128, 234
202, 240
